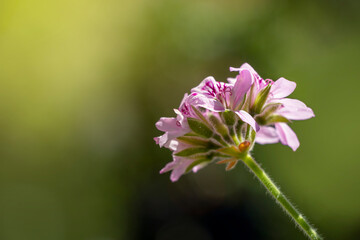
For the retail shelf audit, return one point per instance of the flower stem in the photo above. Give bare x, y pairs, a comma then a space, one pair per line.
299, 219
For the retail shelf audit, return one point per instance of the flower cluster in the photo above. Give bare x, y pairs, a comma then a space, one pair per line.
221, 121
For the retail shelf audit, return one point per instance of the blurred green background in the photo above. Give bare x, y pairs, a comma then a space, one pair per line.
83, 82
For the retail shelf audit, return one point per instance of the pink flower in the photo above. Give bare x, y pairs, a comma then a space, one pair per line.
180, 165
221, 121
290, 109
219, 97
173, 127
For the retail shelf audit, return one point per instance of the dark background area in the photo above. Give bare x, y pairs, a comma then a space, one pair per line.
82, 84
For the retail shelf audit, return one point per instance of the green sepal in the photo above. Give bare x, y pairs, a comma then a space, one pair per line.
195, 163
261, 99
199, 127
269, 109
261, 120
191, 134
231, 151
229, 117
198, 142
218, 138
277, 118
215, 154
191, 151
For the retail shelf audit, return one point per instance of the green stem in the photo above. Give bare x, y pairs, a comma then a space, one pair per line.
280, 198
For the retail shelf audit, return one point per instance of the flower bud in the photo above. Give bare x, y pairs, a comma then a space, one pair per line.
231, 151
276, 119
229, 117
218, 125
261, 99
195, 141
199, 128
191, 151
244, 146
270, 109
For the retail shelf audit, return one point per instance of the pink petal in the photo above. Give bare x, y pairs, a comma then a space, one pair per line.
231, 80
266, 135
184, 99
282, 88
200, 100
163, 139
232, 69
173, 128
294, 109
203, 87
287, 136
199, 166
167, 124
242, 85
246, 117
168, 167
244, 66
180, 168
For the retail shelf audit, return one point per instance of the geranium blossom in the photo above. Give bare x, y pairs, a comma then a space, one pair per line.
274, 128
221, 121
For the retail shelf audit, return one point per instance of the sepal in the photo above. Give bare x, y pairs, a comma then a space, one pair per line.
196, 141
191, 151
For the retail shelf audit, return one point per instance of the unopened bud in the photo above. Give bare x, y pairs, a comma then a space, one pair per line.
191, 151
199, 128
200, 142
277, 118
244, 146
229, 117
218, 125
270, 109
261, 99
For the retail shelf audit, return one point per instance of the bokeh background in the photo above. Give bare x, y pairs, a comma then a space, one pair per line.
83, 82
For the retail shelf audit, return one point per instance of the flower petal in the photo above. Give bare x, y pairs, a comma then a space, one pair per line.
168, 167
200, 100
242, 85
167, 124
246, 117
282, 88
199, 166
294, 109
266, 135
244, 66
179, 167
287, 136
208, 84
231, 80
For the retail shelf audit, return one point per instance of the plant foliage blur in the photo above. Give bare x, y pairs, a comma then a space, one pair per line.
83, 82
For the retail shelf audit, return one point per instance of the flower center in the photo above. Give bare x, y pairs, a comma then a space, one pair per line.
185, 109
220, 91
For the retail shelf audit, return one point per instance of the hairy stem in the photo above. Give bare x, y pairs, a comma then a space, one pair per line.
299, 219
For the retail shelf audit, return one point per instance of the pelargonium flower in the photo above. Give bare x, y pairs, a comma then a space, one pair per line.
221, 121
267, 102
